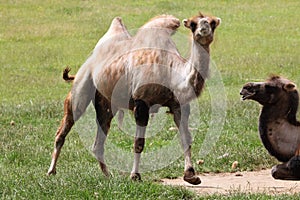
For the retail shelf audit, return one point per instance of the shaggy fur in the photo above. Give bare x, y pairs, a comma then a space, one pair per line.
278, 127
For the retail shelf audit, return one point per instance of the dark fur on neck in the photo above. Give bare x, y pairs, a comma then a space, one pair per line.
265, 119
294, 102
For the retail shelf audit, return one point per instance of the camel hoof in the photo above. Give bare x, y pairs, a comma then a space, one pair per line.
104, 169
51, 172
190, 177
135, 176
195, 180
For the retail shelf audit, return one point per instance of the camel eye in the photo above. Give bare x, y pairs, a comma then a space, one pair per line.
213, 24
271, 89
248, 87
193, 26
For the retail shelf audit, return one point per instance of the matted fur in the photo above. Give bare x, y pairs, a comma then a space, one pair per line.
278, 127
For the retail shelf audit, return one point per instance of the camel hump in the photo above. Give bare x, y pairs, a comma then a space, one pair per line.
116, 30
66, 76
163, 21
117, 27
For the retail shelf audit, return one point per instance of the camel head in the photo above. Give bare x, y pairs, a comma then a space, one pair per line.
277, 93
202, 28
273, 91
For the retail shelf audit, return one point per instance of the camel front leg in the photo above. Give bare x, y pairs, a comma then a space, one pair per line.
141, 114
181, 116
287, 171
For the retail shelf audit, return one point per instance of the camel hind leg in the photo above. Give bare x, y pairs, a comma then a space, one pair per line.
65, 127
289, 170
104, 117
74, 106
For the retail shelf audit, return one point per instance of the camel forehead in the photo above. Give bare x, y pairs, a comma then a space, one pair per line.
198, 19
278, 81
253, 84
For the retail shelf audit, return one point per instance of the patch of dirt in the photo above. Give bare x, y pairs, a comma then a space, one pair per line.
245, 182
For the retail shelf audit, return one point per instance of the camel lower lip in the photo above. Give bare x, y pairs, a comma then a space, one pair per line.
204, 33
245, 97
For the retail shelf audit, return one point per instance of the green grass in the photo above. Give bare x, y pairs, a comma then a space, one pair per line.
39, 38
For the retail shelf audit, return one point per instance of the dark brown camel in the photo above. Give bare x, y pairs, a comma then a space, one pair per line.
278, 127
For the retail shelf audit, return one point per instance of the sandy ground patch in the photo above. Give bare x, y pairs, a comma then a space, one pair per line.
246, 182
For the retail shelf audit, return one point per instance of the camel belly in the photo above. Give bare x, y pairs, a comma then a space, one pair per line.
120, 87
153, 94
284, 138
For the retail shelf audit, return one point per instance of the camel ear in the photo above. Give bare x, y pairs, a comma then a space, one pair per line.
289, 87
218, 20
215, 23
186, 23
200, 14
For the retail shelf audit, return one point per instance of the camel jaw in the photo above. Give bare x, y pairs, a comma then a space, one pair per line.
246, 95
204, 33
249, 90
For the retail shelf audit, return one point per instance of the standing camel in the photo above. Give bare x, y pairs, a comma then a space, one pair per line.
137, 73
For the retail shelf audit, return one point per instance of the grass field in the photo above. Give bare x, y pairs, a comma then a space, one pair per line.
39, 38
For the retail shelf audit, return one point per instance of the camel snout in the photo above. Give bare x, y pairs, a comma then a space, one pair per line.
203, 32
246, 92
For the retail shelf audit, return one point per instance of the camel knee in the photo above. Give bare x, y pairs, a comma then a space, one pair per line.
141, 113
285, 172
59, 141
65, 127
139, 144
276, 173
294, 166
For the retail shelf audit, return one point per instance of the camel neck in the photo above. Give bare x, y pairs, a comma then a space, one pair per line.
199, 62
270, 113
276, 112
197, 68
266, 117
199, 59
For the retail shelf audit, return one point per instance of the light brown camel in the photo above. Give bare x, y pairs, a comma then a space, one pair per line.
278, 127
137, 73
70, 78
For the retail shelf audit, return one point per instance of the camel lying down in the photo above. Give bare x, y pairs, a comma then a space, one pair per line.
138, 73
278, 127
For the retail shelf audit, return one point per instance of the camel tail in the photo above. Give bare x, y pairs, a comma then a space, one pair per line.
66, 75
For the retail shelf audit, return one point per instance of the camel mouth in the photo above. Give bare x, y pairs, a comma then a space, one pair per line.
246, 95
204, 32
248, 91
